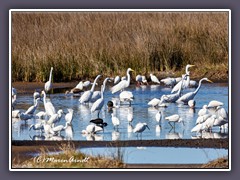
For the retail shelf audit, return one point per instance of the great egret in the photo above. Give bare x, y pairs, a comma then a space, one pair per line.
48, 84
49, 108
126, 96
188, 96
174, 118
185, 83
171, 98
158, 116
97, 105
86, 96
69, 116
115, 121
154, 79
97, 94
140, 127
122, 84
33, 108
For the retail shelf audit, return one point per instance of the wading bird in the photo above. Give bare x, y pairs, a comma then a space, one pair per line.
69, 116
186, 97
174, 118
154, 79
122, 84
86, 96
140, 127
49, 108
48, 84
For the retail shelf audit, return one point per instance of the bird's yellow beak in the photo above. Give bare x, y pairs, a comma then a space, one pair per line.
191, 65
210, 81
131, 69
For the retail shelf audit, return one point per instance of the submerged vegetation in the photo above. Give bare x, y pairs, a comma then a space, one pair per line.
83, 44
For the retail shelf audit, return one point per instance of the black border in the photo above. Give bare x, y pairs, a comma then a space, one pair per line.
234, 5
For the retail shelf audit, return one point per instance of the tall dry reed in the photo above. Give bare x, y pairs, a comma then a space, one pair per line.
83, 44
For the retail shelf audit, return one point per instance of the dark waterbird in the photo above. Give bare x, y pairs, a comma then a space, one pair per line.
99, 122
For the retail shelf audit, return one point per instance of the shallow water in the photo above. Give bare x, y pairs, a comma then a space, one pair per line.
158, 155
141, 113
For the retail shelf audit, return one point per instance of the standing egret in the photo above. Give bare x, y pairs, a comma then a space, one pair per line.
158, 116
97, 105
126, 96
122, 84
48, 84
169, 81
59, 128
49, 108
203, 111
154, 79
140, 127
69, 116
88, 94
185, 83
188, 96
115, 121
174, 118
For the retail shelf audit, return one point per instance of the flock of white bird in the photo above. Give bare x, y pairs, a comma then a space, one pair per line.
209, 116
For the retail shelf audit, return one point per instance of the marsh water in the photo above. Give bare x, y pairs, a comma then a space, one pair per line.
141, 113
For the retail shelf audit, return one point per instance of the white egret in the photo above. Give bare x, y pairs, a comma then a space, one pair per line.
185, 82
126, 96
203, 111
69, 116
97, 94
208, 124
154, 102
144, 80
202, 118
55, 117
214, 104
139, 80
168, 81
36, 95
154, 79
198, 128
86, 96
48, 84
92, 129
49, 108
188, 96
192, 103
115, 121
140, 127
33, 108
158, 116
41, 114
97, 105
174, 118
122, 84
117, 79
171, 98
38, 126
59, 128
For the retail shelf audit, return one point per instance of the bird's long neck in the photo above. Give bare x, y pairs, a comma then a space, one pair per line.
128, 77
94, 83
104, 84
50, 77
66, 125
199, 85
102, 90
44, 97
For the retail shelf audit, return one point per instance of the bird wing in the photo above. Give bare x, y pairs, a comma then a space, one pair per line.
154, 102
176, 87
121, 85
85, 97
97, 105
138, 127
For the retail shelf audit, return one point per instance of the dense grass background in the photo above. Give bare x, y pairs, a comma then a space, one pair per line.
83, 44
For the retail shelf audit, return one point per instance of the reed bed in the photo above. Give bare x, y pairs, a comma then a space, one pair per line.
80, 45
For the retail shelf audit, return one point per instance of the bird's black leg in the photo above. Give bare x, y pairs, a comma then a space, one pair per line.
170, 124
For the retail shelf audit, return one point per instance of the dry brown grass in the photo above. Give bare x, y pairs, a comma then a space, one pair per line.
67, 157
84, 44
